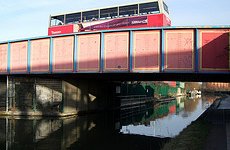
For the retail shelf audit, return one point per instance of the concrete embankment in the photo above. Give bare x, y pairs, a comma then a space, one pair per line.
211, 131
218, 116
130, 101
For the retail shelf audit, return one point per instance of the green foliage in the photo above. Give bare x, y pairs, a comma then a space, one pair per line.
157, 90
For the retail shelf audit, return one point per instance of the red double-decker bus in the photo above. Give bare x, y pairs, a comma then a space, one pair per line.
153, 13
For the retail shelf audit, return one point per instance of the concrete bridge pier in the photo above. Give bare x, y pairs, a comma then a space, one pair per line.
87, 95
54, 96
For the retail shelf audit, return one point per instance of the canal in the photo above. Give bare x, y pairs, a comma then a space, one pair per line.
144, 127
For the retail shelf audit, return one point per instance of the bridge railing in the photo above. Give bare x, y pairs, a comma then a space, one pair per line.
149, 50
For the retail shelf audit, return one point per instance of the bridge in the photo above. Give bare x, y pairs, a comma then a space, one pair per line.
75, 72
152, 50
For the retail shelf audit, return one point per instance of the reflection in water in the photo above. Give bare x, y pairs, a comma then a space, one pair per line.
168, 119
46, 127
124, 129
88, 132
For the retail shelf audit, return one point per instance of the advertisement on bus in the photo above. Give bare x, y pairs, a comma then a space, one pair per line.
115, 23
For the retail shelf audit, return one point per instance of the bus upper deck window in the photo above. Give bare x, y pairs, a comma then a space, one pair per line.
57, 20
73, 18
109, 13
166, 7
90, 15
129, 10
151, 7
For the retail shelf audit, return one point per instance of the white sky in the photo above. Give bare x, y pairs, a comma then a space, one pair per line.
29, 18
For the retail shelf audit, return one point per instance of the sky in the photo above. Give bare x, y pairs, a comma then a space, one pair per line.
30, 18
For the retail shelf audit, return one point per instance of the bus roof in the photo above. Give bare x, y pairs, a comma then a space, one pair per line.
91, 9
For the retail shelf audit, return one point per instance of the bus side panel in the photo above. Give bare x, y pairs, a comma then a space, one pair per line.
18, 57
40, 55
3, 58
63, 54
116, 51
116, 23
63, 29
88, 53
166, 21
179, 50
155, 20
214, 50
146, 50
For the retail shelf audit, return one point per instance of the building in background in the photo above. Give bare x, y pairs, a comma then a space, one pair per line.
156, 89
215, 86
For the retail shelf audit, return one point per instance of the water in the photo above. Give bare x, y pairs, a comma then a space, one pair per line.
168, 119
145, 127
